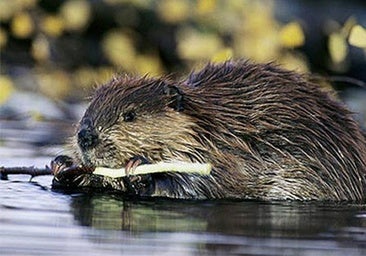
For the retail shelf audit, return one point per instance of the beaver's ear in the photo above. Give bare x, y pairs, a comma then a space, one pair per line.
176, 97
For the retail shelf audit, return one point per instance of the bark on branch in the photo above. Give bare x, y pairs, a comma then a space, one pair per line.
31, 170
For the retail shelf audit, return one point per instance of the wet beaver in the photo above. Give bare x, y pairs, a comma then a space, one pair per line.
270, 134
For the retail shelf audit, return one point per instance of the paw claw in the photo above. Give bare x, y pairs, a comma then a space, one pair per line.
133, 163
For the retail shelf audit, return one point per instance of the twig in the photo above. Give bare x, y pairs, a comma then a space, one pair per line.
196, 168
32, 171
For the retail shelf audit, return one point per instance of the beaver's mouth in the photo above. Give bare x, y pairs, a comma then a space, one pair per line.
93, 158
87, 159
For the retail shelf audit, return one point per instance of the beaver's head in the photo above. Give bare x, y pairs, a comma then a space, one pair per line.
131, 117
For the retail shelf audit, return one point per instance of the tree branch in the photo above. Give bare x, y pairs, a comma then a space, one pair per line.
32, 171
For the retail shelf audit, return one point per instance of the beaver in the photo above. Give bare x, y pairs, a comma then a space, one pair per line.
269, 133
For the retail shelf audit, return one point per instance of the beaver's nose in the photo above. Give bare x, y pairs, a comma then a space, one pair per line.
87, 137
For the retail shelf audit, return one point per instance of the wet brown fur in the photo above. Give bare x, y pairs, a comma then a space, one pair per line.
270, 134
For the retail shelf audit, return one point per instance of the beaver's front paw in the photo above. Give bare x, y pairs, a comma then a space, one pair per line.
66, 173
60, 163
137, 185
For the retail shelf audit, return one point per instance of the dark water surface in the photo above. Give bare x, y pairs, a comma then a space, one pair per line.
34, 220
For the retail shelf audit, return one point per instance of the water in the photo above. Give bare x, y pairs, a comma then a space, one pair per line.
35, 220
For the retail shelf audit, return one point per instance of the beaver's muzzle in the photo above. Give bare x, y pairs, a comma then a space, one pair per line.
87, 136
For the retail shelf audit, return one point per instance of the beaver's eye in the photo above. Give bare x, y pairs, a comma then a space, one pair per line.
129, 116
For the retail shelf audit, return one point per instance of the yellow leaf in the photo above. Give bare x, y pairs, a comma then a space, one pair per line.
24, 4
148, 64
174, 11
205, 6
22, 25
36, 116
292, 35
56, 85
84, 77
76, 14
87, 77
53, 25
40, 49
337, 46
193, 45
7, 9
222, 55
348, 25
357, 36
293, 61
104, 74
6, 88
119, 49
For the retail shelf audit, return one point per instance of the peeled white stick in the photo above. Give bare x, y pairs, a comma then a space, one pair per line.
193, 168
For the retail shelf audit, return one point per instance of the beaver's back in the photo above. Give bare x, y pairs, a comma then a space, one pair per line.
268, 133
282, 136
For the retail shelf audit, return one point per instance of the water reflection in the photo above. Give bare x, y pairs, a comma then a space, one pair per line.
34, 220
249, 218
228, 227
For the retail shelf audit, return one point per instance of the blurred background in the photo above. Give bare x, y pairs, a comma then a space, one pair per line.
54, 52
